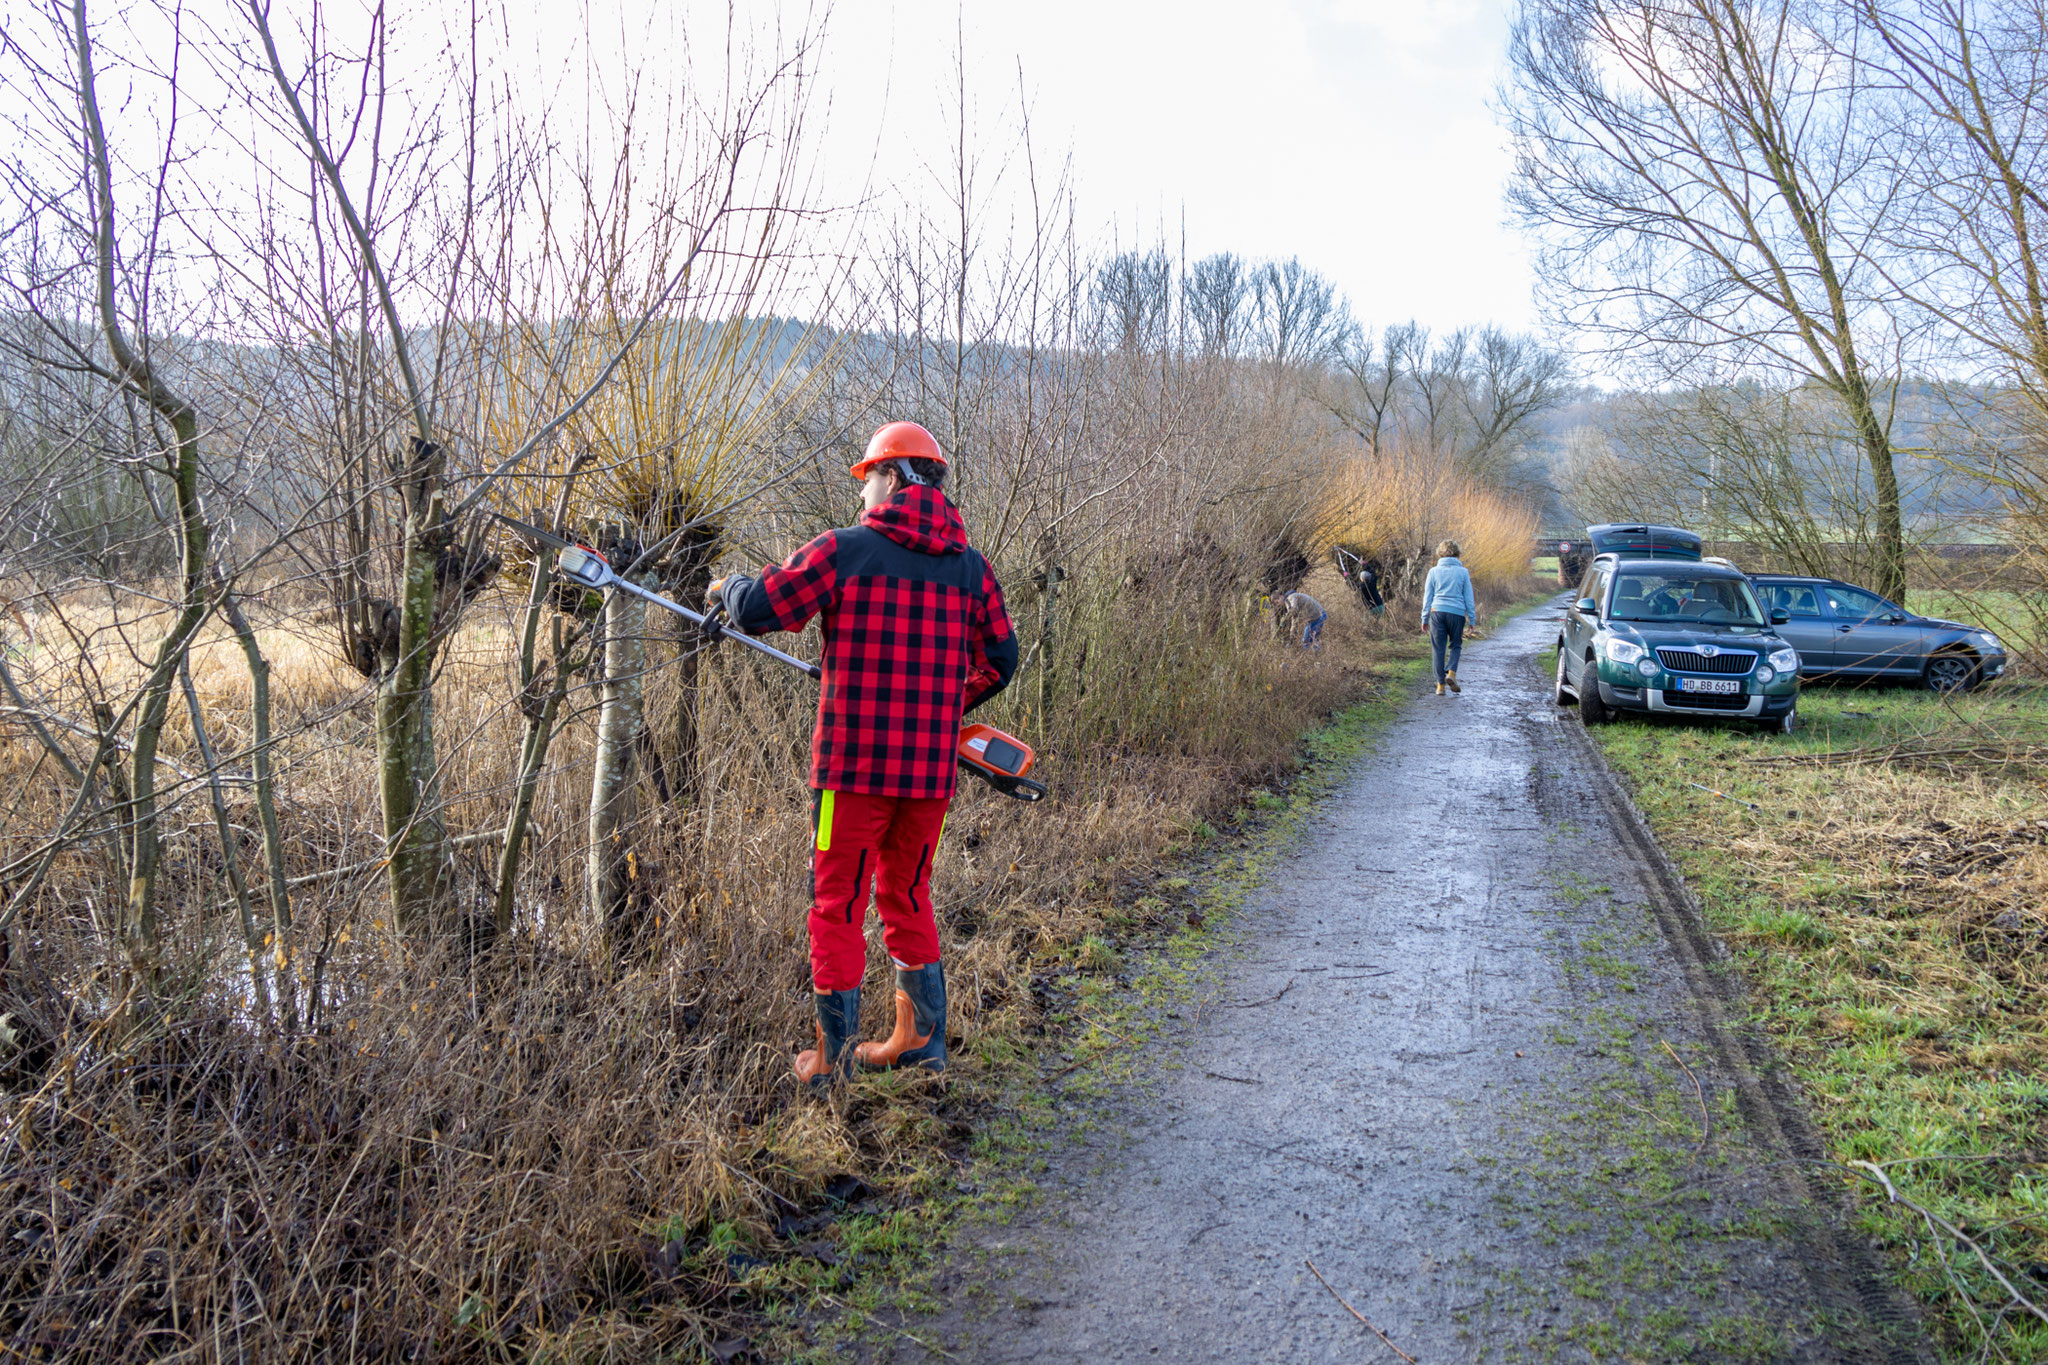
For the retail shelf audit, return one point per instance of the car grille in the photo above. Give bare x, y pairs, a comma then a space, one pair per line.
1705, 701
1686, 661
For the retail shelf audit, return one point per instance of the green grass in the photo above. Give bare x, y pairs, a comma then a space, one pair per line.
1888, 915
2016, 618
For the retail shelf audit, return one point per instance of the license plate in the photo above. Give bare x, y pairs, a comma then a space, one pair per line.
1724, 686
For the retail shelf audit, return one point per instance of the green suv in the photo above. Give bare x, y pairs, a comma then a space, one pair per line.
1685, 639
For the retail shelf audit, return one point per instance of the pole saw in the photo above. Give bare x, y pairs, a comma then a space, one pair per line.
999, 759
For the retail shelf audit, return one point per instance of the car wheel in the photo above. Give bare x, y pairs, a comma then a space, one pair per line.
1593, 710
1954, 671
1561, 692
1783, 725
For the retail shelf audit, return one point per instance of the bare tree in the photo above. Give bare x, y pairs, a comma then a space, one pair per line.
133, 371
1769, 468
1363, 393
1702, 175
1969, 82
446, 473
1216, 299
1300, 314
1508, 382
1134, 290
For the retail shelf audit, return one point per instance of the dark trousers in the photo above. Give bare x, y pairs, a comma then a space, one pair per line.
1446, 628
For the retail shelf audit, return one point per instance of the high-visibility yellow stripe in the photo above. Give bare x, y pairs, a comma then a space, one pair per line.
824, 822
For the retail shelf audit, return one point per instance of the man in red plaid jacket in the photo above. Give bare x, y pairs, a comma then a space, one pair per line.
915, 636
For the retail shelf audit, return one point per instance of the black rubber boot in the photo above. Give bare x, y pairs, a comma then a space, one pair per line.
920, 1035
838, 1021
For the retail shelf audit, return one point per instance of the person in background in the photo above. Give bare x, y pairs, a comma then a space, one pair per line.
1369, 587
1299, 605
1571, 565
1447, 606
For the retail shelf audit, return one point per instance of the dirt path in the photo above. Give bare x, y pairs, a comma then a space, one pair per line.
1472, 1055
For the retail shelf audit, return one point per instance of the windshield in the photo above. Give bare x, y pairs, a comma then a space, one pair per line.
1680, 597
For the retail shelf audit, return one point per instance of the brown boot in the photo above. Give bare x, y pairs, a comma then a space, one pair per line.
1451, 680
1439, 689
919, 1038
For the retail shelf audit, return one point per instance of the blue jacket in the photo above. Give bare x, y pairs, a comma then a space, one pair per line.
1448, 588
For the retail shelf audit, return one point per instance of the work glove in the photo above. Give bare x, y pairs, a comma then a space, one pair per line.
714, 596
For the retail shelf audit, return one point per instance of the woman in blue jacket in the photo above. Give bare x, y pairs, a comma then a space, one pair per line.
1447, 604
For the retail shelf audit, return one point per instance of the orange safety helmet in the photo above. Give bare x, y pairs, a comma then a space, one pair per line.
898, 441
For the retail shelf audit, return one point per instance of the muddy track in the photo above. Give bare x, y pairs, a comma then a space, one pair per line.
1473, 1053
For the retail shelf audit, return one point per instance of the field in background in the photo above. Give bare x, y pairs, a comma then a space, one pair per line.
1888, 902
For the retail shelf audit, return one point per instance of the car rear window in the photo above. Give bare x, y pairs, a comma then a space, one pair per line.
1645, 542
1682, 597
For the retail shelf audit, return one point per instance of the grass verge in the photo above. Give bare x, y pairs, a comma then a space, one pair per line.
1879, 877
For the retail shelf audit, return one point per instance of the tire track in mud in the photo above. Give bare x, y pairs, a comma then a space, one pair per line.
1447, 1073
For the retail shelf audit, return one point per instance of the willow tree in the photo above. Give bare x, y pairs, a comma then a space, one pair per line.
475, 217
698, 417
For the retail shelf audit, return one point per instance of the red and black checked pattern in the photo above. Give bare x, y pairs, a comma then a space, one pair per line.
915, 632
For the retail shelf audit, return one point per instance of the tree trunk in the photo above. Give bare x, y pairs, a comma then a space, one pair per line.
1048, 619
283, 948
1884, 478
612, 865
230, 857
689, 765
689, 700
415, 845
140, 928
533, 757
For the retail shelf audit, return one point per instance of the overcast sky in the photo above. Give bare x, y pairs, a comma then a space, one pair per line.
1356, 134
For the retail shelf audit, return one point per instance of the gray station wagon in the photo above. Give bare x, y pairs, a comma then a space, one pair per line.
1846, 632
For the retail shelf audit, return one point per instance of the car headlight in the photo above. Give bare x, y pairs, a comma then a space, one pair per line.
1648, 667
1990, 641
1785, 660
1765, 675
1623, 651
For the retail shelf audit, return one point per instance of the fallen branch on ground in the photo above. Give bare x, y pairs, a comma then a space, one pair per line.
1933, 1221
1355, 1313
1706, 1119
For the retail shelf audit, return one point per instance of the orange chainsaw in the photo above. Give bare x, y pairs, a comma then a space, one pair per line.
1000, 760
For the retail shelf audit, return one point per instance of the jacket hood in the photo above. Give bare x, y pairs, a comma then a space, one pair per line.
920, 519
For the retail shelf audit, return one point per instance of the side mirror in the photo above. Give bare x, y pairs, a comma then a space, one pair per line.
1896, 618
1779, 616
1586, 606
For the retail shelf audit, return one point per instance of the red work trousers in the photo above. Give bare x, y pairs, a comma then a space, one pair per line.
886, 842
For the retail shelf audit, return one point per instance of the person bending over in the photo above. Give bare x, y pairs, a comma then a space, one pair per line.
1301, 607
